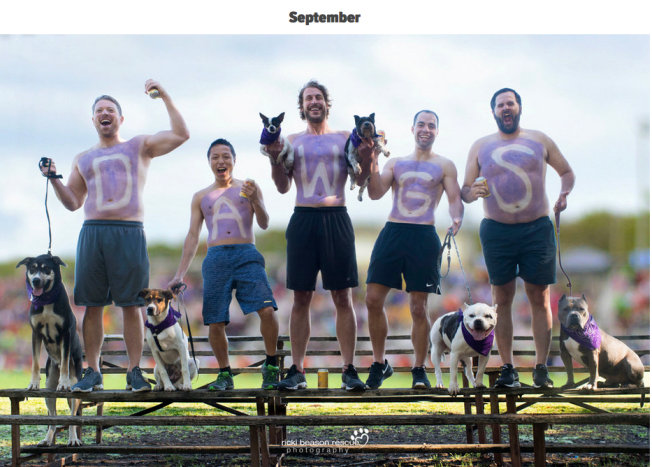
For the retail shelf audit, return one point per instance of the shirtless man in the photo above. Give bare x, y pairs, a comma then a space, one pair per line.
228, 207
408, 244
320, 234
517, 235
112, 265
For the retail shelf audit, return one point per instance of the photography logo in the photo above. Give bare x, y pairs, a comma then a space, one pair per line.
360, 437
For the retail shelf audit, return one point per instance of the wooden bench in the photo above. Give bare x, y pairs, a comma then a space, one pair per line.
268, 428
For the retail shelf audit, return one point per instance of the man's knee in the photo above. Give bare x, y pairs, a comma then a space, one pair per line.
375, 301
302, 298
342, 299
216, 329
266, 313
538, 295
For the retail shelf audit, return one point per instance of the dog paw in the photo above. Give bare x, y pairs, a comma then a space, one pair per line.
588, 387
64, 386
170, 388
479, 385
186, 387
34, 385
453, 390
75, 442
158, 387
439, 385
45, 442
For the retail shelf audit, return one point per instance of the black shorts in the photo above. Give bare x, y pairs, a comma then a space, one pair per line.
321, 239
408, 249
525, 250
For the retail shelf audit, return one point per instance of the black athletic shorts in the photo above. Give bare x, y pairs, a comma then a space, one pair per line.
321, 239
410, 250
525, 250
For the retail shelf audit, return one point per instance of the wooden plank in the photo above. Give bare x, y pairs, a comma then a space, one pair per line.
539, 438
514, 442
255, 446
15, 432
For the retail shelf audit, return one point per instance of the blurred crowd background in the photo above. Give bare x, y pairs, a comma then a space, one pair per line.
606, 256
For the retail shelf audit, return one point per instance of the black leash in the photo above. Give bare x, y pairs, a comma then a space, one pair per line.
447, 243
180, 288
558, 236
45, 162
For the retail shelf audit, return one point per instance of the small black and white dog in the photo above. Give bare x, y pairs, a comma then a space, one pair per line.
463, 334
53, 324
365, 127
271, 133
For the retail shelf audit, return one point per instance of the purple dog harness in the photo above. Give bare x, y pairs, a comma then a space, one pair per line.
46, 298
169, 321
588, 337
481, 346
267, 138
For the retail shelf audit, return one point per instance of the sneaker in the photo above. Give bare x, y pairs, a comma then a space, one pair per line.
136, 381
223, 382
540, 377
270, 376
91, 379
419, 378
378, 373
293, 380
508, 377
350, 380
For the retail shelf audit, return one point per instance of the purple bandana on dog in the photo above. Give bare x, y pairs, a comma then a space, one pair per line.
169, 321
588, 337
356, 139
481, 346
46, 298
267, 138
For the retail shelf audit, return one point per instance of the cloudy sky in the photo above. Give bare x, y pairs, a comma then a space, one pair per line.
589, 93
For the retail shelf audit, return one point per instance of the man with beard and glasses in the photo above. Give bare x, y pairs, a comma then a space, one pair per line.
408, 246
320, 234
112, 264
517, 236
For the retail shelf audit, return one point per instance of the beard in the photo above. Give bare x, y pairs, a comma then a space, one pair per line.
316, 119
513, 126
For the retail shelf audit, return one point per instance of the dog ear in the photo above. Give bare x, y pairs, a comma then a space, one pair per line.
563, 297
26, 261
466, 306
372, 116
58, 261
495, 307
357, 119
583, 297
263, 117
143, 293
280, 117
168, 295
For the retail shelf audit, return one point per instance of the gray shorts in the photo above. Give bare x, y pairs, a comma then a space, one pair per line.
112, 263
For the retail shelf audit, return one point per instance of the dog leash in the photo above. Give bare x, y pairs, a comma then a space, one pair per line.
180, 288
558, 237
447, 243
45, 162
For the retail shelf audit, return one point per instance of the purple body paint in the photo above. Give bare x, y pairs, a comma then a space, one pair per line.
113, 182
320, 169
417, 190
228, 216
515, 171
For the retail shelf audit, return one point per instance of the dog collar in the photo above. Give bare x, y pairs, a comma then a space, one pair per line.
356, 139
483, 346
267, 138
46, 298
169, 321
588, 337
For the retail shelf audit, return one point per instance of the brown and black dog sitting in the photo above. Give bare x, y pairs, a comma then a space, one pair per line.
604, 355
55, 326
174, 369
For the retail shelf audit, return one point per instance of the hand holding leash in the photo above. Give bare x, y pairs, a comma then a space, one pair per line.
178, 288
51, 171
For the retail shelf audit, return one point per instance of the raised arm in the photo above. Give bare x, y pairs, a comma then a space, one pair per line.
192, 241
452, 189
558, 162
73, 194
282, 180
472, 190
380, 183
166, 141
255, 196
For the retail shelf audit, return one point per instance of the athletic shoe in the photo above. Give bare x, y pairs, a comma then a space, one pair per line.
350, 380
91, 379
136, 382
508, 377
223, 382
378, 373
540, 377
293, 380
270, 376
419, 378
